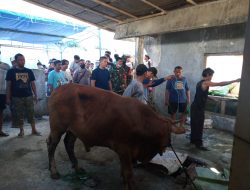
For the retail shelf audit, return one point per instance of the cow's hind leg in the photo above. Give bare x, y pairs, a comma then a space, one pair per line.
52, 142
69, 142
127, 170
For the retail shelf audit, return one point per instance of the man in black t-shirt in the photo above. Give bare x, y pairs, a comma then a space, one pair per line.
20, 85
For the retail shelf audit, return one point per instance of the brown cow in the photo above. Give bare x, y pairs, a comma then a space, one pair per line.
101, 118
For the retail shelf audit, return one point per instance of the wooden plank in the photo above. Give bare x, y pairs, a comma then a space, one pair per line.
155, 6
114, 8
191, 2
91, 10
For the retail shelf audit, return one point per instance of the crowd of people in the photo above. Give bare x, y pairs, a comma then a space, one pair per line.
60, 72
119, 76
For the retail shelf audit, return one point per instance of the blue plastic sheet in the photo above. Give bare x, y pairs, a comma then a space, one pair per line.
30, 29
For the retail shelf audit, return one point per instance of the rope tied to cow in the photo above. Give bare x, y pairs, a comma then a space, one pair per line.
188, 178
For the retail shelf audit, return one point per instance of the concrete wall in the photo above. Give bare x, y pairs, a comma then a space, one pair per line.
41, 106
205, 15
222, 122
188, 49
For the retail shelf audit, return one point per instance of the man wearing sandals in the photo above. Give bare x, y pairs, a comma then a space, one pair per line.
20, 85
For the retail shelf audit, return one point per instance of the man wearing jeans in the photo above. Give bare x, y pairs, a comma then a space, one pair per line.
20, 85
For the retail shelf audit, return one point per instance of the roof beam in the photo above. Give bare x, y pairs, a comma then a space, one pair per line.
183, 19
91, 10
155, 6
67, 14
192, 2
143, 17
114, 8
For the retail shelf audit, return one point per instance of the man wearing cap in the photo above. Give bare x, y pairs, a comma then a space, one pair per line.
82, 75
56, 77
151, 81
20, 91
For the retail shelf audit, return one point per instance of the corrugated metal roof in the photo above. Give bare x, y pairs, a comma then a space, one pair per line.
107, 13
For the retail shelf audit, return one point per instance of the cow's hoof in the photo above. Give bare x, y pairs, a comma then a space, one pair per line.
55, 176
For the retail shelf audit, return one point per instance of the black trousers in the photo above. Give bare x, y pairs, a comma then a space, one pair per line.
197, 123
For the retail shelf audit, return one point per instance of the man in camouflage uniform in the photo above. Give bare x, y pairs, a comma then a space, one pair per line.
118, 77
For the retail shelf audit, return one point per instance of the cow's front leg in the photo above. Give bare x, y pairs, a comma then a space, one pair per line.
52, 142
127, 170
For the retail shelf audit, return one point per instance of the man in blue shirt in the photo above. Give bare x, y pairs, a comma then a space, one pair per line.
177, 95
100, 76
151, 81
135, 88
56, 77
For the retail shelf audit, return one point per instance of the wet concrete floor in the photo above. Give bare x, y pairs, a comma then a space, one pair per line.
24, 162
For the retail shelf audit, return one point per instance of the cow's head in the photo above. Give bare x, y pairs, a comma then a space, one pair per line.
158, 142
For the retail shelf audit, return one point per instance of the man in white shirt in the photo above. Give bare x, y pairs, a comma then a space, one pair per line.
64, 69
75, 64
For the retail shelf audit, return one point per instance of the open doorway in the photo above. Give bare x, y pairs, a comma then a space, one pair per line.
226, 67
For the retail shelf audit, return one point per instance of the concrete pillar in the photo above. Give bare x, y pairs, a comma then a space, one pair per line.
41, 106
139, 50
240, 164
